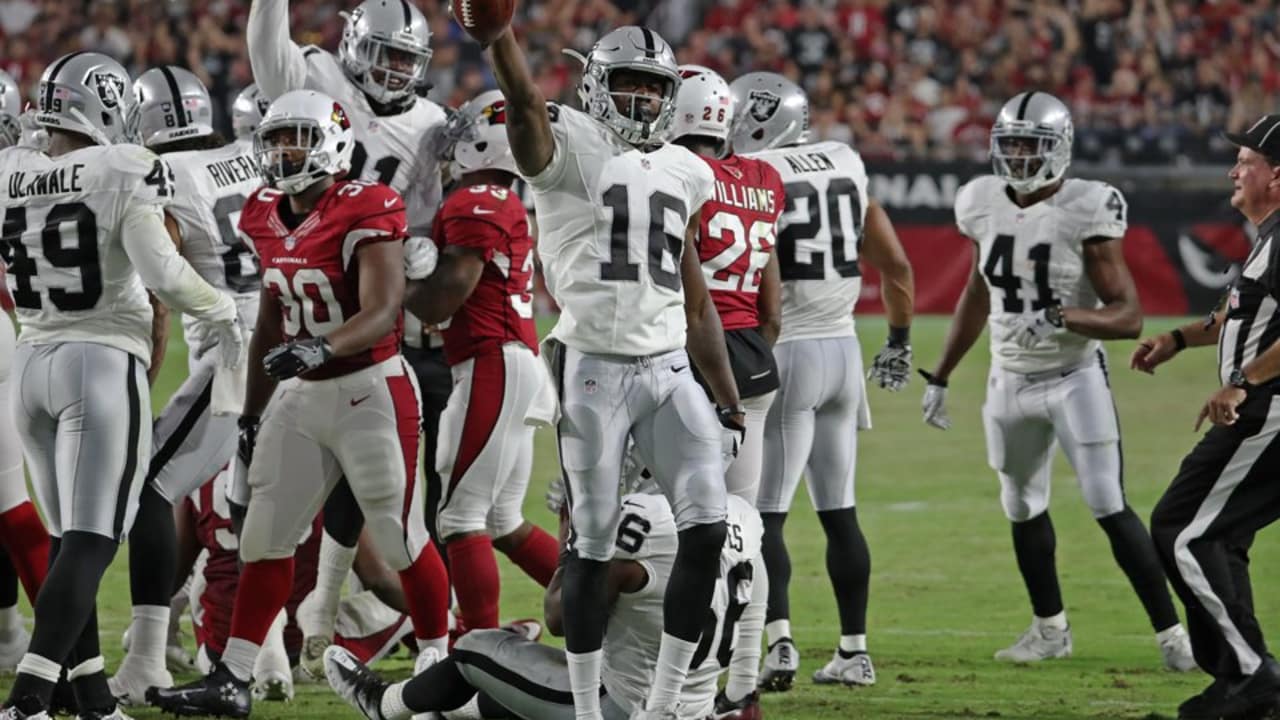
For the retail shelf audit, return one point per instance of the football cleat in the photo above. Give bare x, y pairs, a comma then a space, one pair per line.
1176, 650
855, 669
12, 712
116, 714
748, 708
273, 686
312, 658
664, 714
130, 683
1038, 643
219, 693
426, 658
354, 682
12, 648
780, 666
528, 628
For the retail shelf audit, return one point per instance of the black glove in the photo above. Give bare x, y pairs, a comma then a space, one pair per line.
248, 437
737, 431
294, 358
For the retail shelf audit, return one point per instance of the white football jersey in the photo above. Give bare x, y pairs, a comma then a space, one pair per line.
819, 235
212, 186
68, 272
611, 228
1031, 257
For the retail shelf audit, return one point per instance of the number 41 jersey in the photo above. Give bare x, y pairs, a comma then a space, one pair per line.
1034, 256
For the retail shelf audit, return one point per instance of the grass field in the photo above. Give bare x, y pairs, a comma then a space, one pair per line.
945, 591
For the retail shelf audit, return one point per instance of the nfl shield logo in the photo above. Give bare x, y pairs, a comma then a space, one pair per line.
289, 242
763, 104
110, 89
590, 387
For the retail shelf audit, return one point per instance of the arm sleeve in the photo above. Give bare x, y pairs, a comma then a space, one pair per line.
277, 62
163, 270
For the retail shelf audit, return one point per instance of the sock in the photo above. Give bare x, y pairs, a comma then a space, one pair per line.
439, 688
239, 657
264, 588
26, 541
153, 548
441, 644
426, 589
1057, 621
538, 556
693, 580
149, 634
584, 680
674, 657
475, 580
273, 655
776, 630
776, 559
392, 706
1034, 545
1168, 632
469, 711
585, 584
8, 582
10, 621
322, 609
851, 645
89, 684
36, 678
849, 567
1135, 553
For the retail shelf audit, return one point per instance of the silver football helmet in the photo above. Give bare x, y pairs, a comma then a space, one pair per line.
10, 111
770, 111
247, 111
173, 104
636, 49
1031, 141
87, 93
385, 48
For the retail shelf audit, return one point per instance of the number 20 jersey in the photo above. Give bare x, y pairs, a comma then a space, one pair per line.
819, 236
1033, 256
611, 227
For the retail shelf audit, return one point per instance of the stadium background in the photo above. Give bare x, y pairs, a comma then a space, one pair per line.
913, 85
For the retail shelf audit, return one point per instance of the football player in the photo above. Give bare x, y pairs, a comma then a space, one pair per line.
1050, 282
83, 234
516, 677
827, 226
195, 434
481, 296
618, 213
246, 114
735, 244
328, 334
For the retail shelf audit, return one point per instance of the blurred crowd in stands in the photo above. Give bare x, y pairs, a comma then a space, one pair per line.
1148, 81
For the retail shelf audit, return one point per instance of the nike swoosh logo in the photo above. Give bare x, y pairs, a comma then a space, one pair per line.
481, 211
679, 369
388, 202
357, 401
757, 376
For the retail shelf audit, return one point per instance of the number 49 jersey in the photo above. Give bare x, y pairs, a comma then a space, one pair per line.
1034, 256
69, 274
819, 236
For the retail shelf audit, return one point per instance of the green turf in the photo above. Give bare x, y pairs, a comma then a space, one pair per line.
945, 592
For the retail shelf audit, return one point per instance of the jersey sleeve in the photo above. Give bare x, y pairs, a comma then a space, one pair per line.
145, 178
1110, 216
278, 63
771, 179
702, 182
473, 218
377, 217
967, 209
561, 118
252, 220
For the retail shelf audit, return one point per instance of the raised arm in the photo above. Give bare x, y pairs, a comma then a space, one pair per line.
528, 121
277, 61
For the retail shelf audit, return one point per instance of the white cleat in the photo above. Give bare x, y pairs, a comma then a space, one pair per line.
12, 648
426, 658
1176, 650
1038, 643
116, 714
780, 666
273, 686
129, 685
354, 682
312, 658
13, 713
854, 670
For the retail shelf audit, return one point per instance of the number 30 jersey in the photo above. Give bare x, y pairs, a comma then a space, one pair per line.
1034, 256
611, 227
63, 220
819, 236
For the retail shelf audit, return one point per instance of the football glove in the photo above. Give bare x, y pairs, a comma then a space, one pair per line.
420, 257
230, 341
294, 358
934, 404
555, 495
735, 433
892, 367
1030, 329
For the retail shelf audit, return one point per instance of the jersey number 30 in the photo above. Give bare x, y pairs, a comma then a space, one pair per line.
308, 302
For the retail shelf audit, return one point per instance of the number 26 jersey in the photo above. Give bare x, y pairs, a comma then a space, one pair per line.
1034, 256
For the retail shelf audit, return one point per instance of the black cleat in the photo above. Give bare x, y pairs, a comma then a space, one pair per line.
1204, 705
1253, 697
219, 694
354, 682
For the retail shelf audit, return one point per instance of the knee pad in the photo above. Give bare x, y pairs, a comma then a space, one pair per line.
456, 517
595, 527
1022, 501
389, 537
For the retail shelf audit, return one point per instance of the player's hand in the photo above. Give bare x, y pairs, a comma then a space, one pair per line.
420, 257
891, 369
296, 357
934, 404
1153, 352
230, 342
727, 709
734, 421
1221, 407
555, 495
1030, 329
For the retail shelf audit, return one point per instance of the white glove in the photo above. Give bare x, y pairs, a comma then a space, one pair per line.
420, 257
1030, 329
555, 495
892, 367
934, 403
230, 336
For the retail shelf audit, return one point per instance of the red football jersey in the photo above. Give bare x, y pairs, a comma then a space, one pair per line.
739, 229
312, 269
491, 219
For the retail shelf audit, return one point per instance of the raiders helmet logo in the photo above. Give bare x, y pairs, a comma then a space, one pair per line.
110, 88
763, 104
263, 105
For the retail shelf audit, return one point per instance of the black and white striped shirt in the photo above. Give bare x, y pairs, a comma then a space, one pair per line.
1253, 305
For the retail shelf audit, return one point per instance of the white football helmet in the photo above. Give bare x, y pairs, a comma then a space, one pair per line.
771, 112
10, 111
1031, 141
476, 136
173, 104
87, 93
377, 32
320, 131
704, 106
247, 111
637, 49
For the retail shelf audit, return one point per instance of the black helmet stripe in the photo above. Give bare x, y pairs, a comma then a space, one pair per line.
176, 94
1022, 107
650, 47
53, 75
408, 14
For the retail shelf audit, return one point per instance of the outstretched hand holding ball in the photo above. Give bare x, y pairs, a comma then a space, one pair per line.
483, 20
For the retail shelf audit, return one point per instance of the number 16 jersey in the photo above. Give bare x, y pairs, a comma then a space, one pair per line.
1034, 256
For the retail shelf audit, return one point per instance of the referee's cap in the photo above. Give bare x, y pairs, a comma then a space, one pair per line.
1262, 137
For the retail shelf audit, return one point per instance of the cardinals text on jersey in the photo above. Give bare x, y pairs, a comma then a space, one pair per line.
490, 218
739, 225
819, 236
1034, 256
310, 268
611, 224
69, 274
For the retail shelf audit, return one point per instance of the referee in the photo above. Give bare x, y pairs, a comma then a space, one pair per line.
1227, 488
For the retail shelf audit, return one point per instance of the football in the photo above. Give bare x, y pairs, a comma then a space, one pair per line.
483, 20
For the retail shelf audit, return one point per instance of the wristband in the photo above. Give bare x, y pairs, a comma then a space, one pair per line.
899, 336
931, 379
1179, 340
